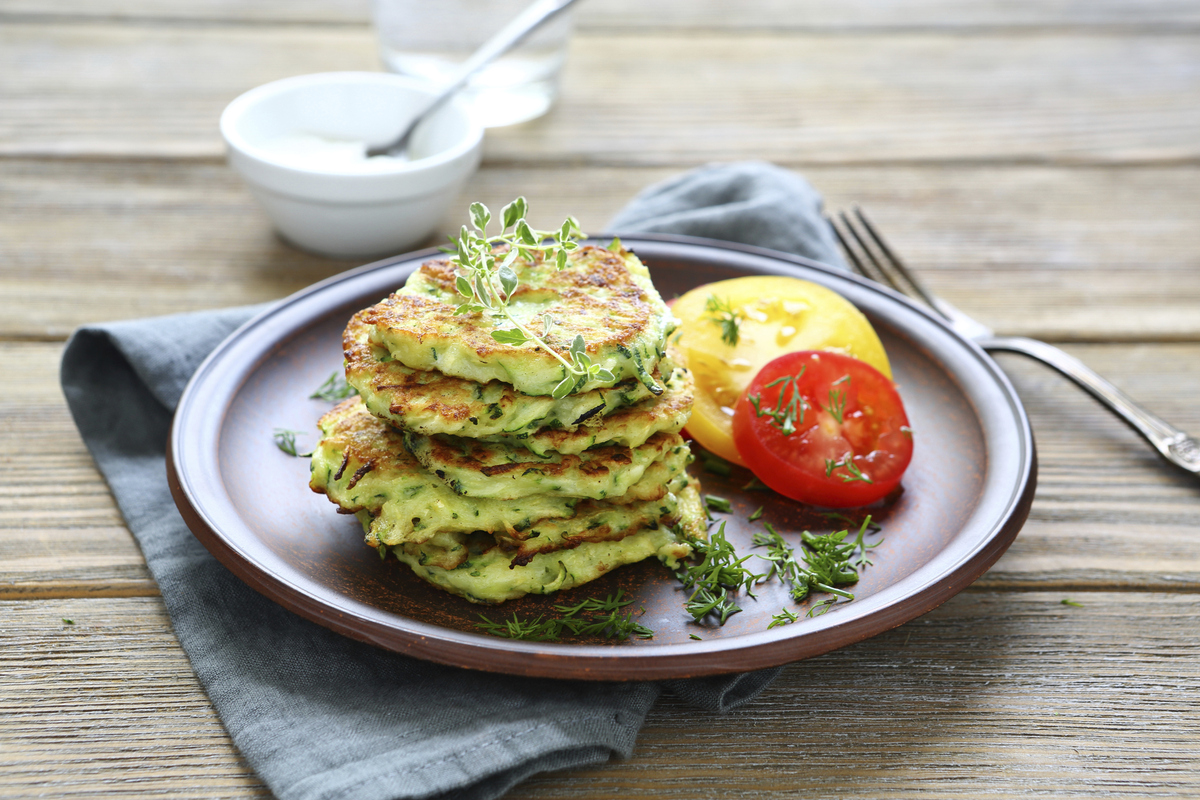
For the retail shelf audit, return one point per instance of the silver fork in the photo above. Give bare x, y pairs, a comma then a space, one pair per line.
875, 260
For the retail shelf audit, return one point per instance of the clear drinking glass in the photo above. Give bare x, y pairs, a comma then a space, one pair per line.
429, 39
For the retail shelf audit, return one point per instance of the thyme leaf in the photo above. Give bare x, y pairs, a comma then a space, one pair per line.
487, 282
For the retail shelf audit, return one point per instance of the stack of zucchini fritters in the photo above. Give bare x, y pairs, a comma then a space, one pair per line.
456, 457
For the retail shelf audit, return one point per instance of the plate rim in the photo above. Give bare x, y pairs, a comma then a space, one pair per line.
606, 662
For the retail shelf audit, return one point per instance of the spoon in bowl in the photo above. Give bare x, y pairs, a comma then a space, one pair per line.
525, 23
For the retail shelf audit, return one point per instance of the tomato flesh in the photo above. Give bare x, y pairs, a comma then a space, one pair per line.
825, 429
775, 315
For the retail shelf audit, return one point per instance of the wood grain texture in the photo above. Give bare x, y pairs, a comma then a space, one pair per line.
60, 531
643, 99
1096, 253
107, 707
990, 696
1108, 512
673, 14
994, 694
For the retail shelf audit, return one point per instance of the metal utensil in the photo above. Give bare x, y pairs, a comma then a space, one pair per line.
525, 23
874, 259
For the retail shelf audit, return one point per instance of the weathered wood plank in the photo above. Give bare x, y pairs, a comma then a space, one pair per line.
107, 707
676, 14
992, 694
60, 531
1055, 253
1108, 513
128, 91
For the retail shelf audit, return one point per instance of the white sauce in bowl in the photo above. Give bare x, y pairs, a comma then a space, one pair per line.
313, 151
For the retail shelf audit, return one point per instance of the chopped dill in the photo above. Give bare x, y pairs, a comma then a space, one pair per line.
837, 401
285, 440
788, 413
756, 515
334, 389
718, 573
591, 617
722, 314
717, 503
784, 617
716, 465
853, 472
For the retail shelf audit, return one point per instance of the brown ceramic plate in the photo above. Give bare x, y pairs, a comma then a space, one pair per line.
965, 496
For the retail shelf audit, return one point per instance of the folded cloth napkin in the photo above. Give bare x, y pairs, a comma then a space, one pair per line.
319, 716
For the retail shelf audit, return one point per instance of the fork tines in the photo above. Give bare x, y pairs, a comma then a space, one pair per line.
871, 255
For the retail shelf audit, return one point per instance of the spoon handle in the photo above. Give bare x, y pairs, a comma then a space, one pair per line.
525, 23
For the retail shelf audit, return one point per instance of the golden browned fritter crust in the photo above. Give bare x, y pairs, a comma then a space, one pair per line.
495, 470
605, 297
429, 402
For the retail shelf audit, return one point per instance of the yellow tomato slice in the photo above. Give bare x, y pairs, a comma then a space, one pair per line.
772, 315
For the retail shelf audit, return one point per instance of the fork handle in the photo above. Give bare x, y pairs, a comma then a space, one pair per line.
1175, 445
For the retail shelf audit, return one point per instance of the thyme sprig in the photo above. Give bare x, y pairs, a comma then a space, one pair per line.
486, 279
789, 412
591, 617
722, 314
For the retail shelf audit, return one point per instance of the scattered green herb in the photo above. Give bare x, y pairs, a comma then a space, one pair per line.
285, 440
861, 547
592, 617
716, 465
697, 638
718, 573
722, 314
827, 563
787, 412
1066, 601
715, 503
756, 515
487, 281
755, 485
853, 473
68, 621
837, 400
784, 617
334, 389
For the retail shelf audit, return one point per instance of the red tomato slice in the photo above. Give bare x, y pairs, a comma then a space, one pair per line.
823, 428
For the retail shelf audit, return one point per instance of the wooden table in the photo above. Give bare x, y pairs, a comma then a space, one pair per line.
1039, 161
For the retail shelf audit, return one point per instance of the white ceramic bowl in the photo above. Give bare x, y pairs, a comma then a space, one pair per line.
350, 210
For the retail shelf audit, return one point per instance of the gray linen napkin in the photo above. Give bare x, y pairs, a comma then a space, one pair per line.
319, 716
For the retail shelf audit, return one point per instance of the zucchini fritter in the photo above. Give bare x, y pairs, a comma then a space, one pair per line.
430, 403
362, 466
606, 297
508, 472
484, 571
